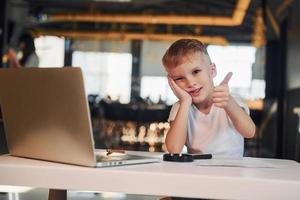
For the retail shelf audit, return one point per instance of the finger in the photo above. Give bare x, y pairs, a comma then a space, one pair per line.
220, 105
222, 88
175, 88
226, 79
170, 79
220, 95
174, 84
220, 100
171, 83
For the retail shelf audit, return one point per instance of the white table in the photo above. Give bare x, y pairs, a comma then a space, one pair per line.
162, 179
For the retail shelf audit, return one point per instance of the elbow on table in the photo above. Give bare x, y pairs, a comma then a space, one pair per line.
251, 133
173, 148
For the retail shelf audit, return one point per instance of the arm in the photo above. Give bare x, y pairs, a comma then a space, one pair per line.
240, 119
13, 58
177, 133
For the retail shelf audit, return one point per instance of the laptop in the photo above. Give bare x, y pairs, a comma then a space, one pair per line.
46, 116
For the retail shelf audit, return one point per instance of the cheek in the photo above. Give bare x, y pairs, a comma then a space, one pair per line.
206, 78
181, 84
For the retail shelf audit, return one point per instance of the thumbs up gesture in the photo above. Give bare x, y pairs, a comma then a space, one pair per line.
221, 92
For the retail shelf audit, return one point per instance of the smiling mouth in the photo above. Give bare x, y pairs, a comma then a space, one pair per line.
195, 92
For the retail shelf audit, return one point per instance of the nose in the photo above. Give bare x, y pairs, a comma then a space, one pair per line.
190, 82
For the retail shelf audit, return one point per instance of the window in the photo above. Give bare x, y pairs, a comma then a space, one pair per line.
50, 50
239, 60
106, 73
157, 87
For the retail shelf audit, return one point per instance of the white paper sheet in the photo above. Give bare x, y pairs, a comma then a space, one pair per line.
243, 162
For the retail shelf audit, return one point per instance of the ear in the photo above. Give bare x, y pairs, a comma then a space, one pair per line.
213, 70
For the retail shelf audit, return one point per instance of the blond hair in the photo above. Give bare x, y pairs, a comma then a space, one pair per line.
176, 53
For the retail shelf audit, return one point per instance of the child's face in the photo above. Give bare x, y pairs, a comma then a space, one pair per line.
195, 76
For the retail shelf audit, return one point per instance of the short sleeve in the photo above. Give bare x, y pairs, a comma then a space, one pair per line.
32, 61
241, 103
173, 111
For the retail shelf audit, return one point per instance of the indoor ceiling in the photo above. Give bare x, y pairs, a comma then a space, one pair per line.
215, 21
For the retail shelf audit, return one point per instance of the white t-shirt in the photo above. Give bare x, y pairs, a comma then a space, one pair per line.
32, 61
212, 133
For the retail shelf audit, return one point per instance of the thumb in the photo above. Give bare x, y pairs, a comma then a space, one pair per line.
226, 79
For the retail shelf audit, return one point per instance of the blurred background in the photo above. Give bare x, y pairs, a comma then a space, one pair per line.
119, 44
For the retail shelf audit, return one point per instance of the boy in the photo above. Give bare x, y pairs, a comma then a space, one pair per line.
207, 119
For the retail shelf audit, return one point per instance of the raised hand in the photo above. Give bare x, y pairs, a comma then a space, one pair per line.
180, 93
221, 92
11, 53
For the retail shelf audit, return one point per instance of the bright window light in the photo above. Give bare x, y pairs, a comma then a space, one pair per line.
239, 60
50, 50
236, 59
156, 87
105, 73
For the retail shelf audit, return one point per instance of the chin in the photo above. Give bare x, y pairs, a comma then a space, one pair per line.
197, 99
200, 98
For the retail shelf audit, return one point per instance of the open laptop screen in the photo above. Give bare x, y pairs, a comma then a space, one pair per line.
46, 117
46, 114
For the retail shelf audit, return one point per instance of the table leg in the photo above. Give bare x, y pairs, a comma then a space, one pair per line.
57, 194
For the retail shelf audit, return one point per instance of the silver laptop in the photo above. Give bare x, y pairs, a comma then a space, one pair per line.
46, 116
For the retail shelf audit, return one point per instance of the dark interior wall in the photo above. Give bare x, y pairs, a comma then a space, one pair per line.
135, 73
3, 41
293, 48
3, 144
268, 130
280, 137
272, 129
291, 139
3, 29
272, 124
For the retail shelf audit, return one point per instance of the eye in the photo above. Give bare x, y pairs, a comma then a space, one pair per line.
196, 71
177, 79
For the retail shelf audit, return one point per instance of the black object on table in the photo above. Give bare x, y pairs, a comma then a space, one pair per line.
185, 157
